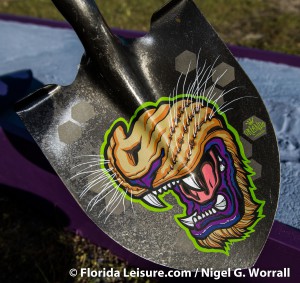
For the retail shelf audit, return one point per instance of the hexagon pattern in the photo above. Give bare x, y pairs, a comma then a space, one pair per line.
69, 132
254, 128
227, 77
82, 112
185, 62
247, 147
215, 95
256, 168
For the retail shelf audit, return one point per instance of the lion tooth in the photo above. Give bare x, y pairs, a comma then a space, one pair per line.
223, 207
165, 188
221, 202
220, 198
188, 221
222, 167
199, 217
152, 200
213, 210
206, 213
155, 192
195, 219
177, 182
190, 180
160, 190
220, 159
173, 183
210, 212
203, 215
169, 185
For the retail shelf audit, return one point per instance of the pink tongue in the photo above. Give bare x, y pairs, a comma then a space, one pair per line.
211, 183
209, 176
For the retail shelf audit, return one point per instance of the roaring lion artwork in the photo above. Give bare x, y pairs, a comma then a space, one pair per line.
184, 145
151, 144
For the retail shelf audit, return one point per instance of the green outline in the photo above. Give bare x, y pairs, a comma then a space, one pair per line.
245, 162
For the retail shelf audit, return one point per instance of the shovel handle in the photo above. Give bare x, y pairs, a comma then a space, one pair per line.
103, 48
90, 26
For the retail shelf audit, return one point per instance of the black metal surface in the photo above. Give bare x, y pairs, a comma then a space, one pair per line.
105, 50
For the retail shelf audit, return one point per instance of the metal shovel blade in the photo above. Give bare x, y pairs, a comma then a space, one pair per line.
163, 140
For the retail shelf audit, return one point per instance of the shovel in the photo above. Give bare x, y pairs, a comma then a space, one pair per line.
162, 140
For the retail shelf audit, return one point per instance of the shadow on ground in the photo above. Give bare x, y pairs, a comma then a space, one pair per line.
33, 245
36, 247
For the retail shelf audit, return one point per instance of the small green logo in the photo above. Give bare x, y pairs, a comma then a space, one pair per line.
254, 128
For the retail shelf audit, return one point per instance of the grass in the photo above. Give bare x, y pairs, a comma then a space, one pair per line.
265, 24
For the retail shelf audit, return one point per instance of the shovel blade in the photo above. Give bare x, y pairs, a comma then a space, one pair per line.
187, 175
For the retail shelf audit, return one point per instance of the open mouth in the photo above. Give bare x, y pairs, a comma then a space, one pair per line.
199, 186
192, 220
202, 184
210, 192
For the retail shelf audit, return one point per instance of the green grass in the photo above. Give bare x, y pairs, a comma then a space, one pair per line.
265, 24
256, 23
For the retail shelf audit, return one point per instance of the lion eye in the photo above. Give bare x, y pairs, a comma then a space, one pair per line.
133, 153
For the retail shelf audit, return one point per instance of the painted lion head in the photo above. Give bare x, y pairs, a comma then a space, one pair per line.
186, 147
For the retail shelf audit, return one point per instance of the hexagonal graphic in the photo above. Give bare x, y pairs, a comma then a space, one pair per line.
225, 73
256, 168
82, 112
185, 62
254, 128
183, 243
215, 95
69, 132
247, 147
115, 204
